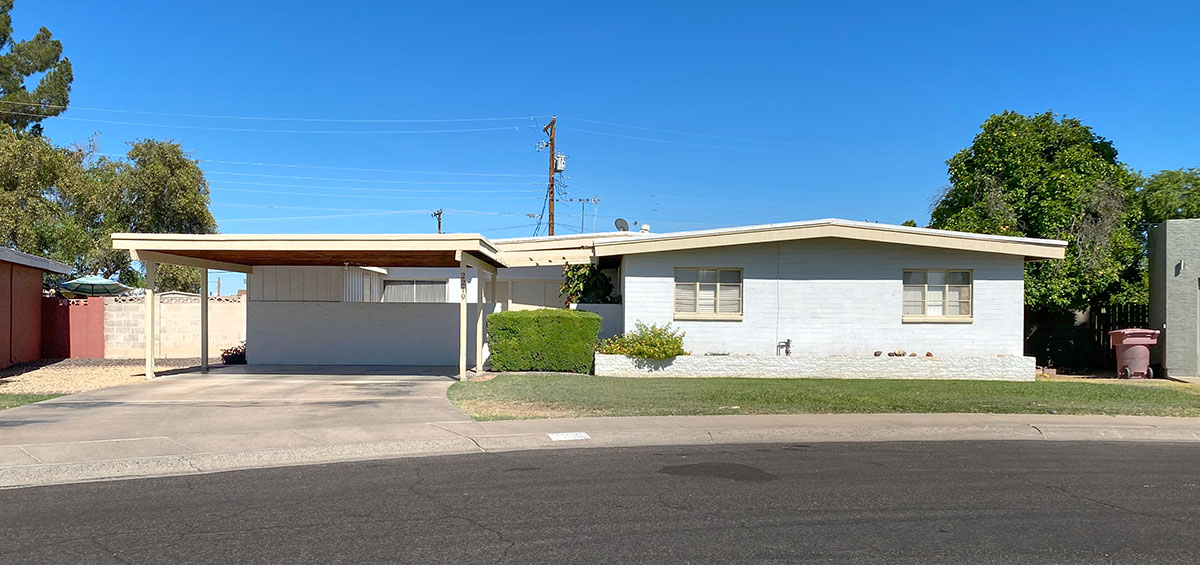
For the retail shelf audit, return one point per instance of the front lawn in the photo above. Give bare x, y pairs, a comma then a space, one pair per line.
521, 396
14, 400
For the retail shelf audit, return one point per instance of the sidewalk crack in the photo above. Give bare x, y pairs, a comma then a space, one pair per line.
1039, 431
31, 456
477, 446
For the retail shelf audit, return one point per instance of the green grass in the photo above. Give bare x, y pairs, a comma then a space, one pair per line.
14, 400
522, 396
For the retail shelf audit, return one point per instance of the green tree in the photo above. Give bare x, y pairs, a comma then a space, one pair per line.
1171, 195
1047, 176
35, 181
19, 107
157, 189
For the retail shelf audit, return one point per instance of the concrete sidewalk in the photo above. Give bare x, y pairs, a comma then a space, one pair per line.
178, 452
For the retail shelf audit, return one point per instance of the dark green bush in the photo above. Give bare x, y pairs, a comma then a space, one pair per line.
543, 340
646, 341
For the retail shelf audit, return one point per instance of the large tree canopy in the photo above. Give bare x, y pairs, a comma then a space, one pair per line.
159, 189
1171, 195
35, 182
20, 107
64, 204
1050, 177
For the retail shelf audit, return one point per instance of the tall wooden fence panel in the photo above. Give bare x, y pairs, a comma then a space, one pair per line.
1112, 317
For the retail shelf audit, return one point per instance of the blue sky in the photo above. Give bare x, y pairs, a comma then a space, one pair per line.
801, 110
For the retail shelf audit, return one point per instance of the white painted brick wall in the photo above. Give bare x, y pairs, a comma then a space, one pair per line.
994, 368
833, 297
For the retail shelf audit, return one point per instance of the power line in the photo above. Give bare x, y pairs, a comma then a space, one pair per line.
256, 130
324, 216
270, 118
389, 197
367, 170
450, 210
676, 132
372, 189
349, 168
382, 181
672, 142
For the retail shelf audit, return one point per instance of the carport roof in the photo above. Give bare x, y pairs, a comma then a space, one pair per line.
242, 252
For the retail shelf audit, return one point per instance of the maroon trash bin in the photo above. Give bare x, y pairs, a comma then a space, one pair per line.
1133, 352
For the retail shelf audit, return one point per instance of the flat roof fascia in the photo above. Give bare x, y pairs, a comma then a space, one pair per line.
167, 243
1030, 249
536, 258
34, 261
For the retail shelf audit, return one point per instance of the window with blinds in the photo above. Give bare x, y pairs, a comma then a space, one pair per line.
937, 294
708, 293
414, 291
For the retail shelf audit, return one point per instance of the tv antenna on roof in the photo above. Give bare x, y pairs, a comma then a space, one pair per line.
621, 224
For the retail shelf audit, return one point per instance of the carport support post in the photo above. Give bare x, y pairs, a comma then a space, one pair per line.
478, 321
203, 320
151, 300
462, 319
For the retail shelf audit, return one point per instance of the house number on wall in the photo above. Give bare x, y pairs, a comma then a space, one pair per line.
463, 285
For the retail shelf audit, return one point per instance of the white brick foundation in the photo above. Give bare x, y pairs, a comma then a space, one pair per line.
995, 368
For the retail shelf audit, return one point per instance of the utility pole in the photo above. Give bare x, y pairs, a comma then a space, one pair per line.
438, 215
549, 130
583, 202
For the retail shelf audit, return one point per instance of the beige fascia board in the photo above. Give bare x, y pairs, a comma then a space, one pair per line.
166, 243
547, 244
470, 260
1028, 250
156, 257
544, 258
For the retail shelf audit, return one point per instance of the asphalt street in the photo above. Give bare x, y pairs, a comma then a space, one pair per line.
982, 502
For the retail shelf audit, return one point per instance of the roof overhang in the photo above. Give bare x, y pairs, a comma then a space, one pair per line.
34, 261
575, 249
241, 252
1029, 248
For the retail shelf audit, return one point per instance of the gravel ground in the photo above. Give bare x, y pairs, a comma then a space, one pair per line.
76, 375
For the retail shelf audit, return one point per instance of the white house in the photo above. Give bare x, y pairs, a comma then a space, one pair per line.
818, 297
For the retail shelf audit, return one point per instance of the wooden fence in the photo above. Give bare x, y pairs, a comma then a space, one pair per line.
1078, 342
1111, 317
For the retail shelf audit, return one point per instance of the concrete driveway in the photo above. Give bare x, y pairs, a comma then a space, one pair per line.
233, 408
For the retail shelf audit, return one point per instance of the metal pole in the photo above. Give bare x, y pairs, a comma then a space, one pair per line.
204, 320
462, 320
151, 299
478, 321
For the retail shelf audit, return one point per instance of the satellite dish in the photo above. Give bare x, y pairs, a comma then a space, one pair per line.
621, 224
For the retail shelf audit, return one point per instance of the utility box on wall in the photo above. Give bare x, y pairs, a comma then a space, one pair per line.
1174, 248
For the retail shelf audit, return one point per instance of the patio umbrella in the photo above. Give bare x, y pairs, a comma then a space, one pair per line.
94, 285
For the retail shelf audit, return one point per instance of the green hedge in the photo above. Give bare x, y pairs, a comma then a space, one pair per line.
543, 340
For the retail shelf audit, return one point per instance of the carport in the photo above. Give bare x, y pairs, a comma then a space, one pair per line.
242, 253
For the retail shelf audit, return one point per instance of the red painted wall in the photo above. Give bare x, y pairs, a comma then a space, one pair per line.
26, 314
6, 297
72, 328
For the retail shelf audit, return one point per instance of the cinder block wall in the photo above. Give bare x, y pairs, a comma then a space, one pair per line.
177, 326
1175, 296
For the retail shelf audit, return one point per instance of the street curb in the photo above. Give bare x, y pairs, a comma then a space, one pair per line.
496, 437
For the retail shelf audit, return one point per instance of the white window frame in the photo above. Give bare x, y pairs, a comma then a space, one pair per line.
444, 282
695, 315
938, 318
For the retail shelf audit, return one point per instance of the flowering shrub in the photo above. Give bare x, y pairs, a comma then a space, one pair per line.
646, 341
235, 355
